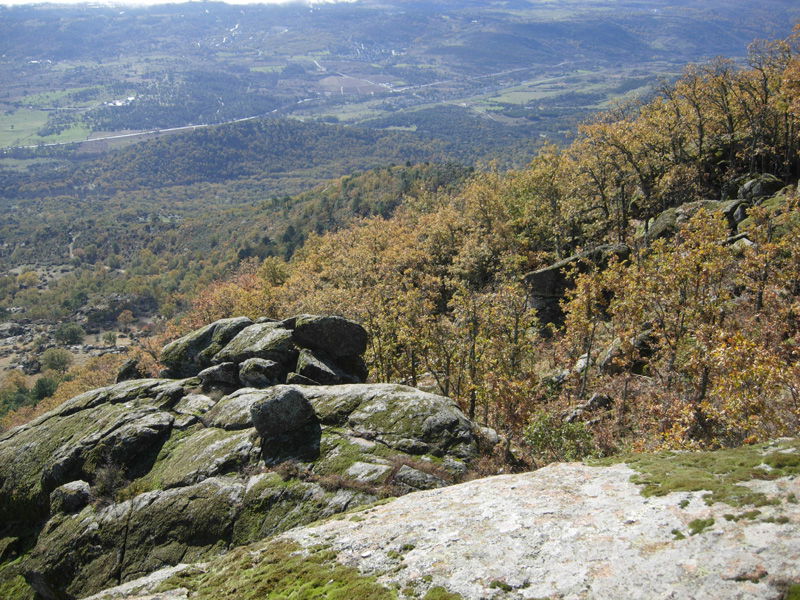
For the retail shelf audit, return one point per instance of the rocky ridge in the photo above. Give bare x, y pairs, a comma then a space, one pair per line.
121, 481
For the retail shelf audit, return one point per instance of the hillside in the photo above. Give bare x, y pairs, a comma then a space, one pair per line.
149, 251
284, 358
200, 176
636, 288
503, 291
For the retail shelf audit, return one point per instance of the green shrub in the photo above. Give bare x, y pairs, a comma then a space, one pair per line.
551, 439
45, 387
69, 333
56, 359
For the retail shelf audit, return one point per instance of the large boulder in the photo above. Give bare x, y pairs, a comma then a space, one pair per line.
321, 369
222, 374
259, 372
666, 224
336, 336
564, 531
187, 356
287, 424
761, 186
282, 412
321, 349
129, 370
70, 497
121, 425
11, 329
269, 341
82, 553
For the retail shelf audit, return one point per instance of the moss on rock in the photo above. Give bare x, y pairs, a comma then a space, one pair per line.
190, 456
718, 472
190, 354
272, 505
277, 571
12, 584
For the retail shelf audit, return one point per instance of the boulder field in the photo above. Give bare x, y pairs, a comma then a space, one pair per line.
149, 473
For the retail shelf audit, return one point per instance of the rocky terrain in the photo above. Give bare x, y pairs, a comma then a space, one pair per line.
706, 525
121, 481
23, 340
262, 466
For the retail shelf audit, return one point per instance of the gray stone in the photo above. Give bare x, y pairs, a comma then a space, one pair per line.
401, 417
187, 356
355, 367
664, 226
8, 330
204, 453
232, 412
564, 531
182, 459
610, 359
194, 404
547, 285
224, 373
70, 498
598, 402
487, 438
335, 336
261, 340
417, 480
742, 244
581, 364
9, 548
259, 372
759, 187
130, 370
297, 379
321, 369
362, 471
185, 422
80, 554
282, 412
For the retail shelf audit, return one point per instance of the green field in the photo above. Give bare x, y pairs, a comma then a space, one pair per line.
19, 127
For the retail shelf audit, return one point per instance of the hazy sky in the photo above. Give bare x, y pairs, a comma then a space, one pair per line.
151, 2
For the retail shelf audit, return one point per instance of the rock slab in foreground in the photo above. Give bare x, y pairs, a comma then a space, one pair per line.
566, 531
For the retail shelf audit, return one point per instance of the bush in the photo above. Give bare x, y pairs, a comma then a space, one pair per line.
108, 479
551, 439
56, 359
45, 387
69, 333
